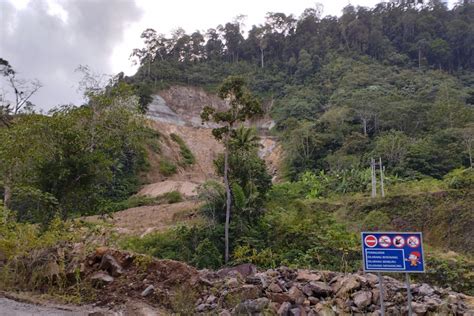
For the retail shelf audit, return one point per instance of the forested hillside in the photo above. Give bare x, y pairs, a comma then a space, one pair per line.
391, 81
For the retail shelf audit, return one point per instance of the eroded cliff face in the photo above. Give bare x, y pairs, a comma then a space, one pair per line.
178, 109
182, 105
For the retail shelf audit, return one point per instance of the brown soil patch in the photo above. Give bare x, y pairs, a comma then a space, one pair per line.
186, 188
146, 219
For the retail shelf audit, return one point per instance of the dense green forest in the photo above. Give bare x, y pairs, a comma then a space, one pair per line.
394, 81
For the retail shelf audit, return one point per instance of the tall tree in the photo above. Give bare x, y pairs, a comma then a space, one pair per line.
22, 89
242, 106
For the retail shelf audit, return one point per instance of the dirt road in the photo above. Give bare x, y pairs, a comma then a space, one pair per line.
13, 308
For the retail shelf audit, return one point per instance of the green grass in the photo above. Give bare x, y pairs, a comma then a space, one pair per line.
167, 168
187, 156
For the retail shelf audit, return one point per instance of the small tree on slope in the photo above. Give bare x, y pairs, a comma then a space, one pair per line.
243, 106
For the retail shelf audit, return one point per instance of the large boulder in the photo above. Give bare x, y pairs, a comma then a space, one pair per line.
249, 307
111, 265
362, 299
345, 285
101, 278
296, 295
307, 276
320, 289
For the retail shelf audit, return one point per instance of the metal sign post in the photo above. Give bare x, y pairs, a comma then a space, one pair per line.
393, 252
407, 278
382, 307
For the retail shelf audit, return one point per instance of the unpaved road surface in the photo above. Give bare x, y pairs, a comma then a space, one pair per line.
13, 308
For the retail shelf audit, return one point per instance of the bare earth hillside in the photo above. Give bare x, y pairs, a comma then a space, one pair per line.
177, 111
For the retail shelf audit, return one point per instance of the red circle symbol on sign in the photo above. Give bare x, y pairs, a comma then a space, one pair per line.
385, 241
399, 241
413, 241
370, 241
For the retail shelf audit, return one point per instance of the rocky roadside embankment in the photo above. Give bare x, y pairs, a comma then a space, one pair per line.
118, 277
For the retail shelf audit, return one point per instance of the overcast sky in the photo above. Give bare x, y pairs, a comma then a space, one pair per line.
49, 39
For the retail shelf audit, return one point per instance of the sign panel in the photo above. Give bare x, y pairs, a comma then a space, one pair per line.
392, 252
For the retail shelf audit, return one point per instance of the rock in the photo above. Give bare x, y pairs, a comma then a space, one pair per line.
296, 295
101, 278
249, 291
100, 251
307, 276
320, 289
148, 291
313, 300
205, 281
372, 279
279, 297
425, 290
245, 292
323, 310
232, 283
244, 270
250, 307
225, 312
307, 290
375, 296
284, 309
211, 299
252, 279
362, 299
419, 308
452, 299
263, 279
297, 311
275, 288
346, 285
203, 307
111, 265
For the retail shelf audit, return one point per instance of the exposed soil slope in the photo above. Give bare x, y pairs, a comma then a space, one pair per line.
146, 219
177, 111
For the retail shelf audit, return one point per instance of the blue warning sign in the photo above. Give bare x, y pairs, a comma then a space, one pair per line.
392, 252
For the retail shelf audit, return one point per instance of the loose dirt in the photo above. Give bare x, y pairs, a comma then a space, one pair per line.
146, 219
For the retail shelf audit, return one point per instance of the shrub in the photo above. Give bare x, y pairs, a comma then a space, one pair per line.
460, 179
133, 201
376, 221
172, 197
167, 168
186, 153
207, 255
33, 205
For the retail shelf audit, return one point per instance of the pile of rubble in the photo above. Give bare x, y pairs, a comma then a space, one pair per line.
285, 291
118, 277
243, 290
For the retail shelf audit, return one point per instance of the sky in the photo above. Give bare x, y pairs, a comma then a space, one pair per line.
48, 39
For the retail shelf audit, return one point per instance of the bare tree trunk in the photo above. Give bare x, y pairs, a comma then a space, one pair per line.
364, 122
261, 56
419, 58
470, 157
228, 200
7, 192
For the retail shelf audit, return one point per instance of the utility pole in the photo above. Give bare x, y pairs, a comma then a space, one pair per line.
373, 173
381, 177
374, 178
